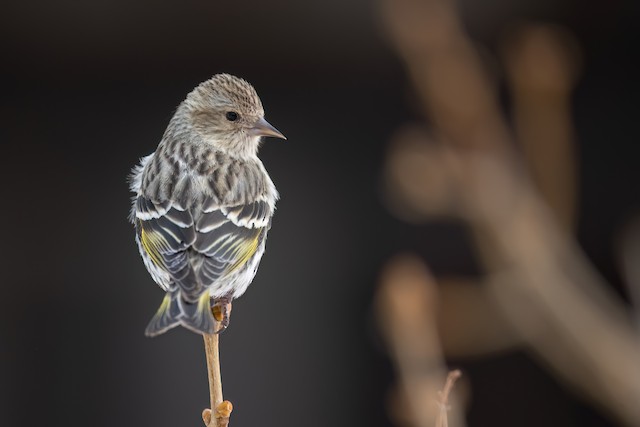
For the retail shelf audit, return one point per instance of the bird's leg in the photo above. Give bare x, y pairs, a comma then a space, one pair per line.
222, 311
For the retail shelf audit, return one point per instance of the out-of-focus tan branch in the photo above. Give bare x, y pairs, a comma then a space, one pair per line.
469, 323
418, 181
542, 67
406, 304
446, 71
540, 280
558, 304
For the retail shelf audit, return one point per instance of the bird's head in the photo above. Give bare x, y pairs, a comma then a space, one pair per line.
227, 112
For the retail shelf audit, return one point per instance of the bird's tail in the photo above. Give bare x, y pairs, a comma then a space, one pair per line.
175, 311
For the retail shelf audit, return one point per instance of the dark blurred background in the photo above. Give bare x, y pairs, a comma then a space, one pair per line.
89, 87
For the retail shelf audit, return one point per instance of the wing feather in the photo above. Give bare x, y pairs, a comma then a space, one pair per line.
196, 247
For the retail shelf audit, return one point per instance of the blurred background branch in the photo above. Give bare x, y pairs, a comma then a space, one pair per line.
520, 204
406, 307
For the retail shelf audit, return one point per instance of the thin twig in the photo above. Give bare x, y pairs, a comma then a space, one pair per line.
443, 402
222, 408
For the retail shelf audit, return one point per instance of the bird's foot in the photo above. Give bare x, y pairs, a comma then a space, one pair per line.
222, 313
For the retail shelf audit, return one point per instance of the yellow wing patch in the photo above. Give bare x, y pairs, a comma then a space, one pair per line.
152, 243
244, 252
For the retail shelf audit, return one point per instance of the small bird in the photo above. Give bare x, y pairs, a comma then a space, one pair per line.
203, 204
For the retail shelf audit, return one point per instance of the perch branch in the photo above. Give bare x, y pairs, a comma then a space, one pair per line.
222, 408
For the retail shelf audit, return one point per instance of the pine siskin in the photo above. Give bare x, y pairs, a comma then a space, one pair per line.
203, 204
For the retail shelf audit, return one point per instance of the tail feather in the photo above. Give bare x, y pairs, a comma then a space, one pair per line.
175, 311
198, 316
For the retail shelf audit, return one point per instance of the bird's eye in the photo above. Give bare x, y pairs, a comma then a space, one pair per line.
232, 116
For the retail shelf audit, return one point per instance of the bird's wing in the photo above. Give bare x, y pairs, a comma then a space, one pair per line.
229, 236
198, 251
165, 233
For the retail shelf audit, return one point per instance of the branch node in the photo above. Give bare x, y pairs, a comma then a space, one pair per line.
206, 416
224, 409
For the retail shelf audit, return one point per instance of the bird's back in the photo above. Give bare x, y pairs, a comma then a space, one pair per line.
202, 216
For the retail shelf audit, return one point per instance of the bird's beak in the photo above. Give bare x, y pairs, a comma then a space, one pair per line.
264, 128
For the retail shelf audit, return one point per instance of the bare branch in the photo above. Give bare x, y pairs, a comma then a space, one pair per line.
222, 409
443, 402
